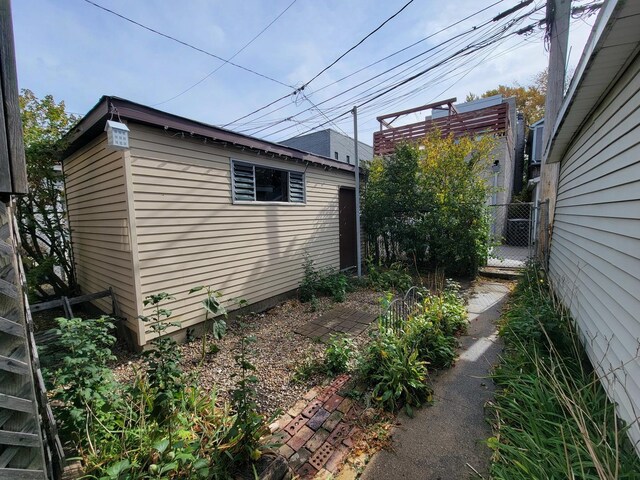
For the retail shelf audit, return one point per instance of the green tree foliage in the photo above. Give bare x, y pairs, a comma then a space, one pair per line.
529, 99
44, 231
427, 203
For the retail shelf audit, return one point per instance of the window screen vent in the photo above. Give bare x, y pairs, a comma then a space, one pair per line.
243, 182
296, 187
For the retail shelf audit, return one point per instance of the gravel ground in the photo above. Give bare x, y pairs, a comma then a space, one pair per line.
278, 351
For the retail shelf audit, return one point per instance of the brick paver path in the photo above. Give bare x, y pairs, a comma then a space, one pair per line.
317, 432
337, 320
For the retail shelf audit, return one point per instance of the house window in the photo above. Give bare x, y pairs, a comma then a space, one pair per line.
259, 183
335, 154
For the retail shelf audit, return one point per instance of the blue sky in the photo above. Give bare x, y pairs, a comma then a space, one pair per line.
77, 52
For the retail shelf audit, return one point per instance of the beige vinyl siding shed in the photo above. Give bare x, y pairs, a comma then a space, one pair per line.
595, 249
161, 216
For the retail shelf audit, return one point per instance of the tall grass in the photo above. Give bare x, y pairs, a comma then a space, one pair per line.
551, 417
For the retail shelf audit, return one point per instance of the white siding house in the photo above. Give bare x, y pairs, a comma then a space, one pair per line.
191, 204
594, 260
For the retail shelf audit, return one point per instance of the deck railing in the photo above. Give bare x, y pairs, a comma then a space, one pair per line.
489, 120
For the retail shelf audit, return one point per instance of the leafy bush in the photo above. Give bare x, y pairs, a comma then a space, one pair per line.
433, 345
161, 426
249, 426
394, 277
80, 382
338, 353
163, 359
396, 375
428, 203
551, 417
322, 282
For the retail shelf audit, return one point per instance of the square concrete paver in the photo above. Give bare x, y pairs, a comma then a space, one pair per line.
337, 320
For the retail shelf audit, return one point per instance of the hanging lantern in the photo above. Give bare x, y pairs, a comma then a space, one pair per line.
117, 135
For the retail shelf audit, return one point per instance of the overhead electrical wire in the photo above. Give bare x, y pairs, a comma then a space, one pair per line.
382, 59
465, 52
230, 58
186, 44
349, 50
377, 76
383, 92
397, 52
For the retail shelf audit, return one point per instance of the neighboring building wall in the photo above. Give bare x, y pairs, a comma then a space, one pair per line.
345, 147
594, 259
189, 233
329, 142
316, 142
96, 193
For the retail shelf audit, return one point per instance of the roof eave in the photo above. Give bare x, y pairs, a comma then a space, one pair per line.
92, 124
582, 97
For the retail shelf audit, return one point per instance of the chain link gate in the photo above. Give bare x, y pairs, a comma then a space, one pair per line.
513, 233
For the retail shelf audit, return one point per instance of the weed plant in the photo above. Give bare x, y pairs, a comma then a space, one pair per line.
395, 277
551, 417
339, 352
162, 425
396, 361
326, 281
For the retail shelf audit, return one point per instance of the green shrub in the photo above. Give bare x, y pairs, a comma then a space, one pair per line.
249, 425
433, 345
161, 426
392, 369
338, 354
164, 373
75, 365
428, 203
322, 282
551, 417
395, 277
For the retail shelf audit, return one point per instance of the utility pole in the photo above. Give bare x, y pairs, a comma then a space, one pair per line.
357, 164
558, 16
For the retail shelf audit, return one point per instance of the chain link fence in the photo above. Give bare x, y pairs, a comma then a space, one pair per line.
512, 234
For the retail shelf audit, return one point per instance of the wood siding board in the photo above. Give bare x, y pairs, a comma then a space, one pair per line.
617, 297
620, 165
271, 264
164, 249
600, 325
621, 103
628, 209
594, 258
95, 190
189, 232
244, 277
616, 226
230, 253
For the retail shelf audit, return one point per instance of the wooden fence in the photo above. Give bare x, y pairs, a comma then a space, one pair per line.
489, 120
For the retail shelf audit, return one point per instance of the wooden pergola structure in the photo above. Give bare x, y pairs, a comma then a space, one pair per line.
489, 120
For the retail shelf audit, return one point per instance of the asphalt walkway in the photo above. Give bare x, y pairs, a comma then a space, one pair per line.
445, 441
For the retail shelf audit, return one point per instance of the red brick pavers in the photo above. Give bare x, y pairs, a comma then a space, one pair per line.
317, 434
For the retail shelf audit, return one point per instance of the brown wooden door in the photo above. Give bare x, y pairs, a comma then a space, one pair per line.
347, 205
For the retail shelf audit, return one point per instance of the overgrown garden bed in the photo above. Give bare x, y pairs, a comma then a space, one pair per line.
551, 417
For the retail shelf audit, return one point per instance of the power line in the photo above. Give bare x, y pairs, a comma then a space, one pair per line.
474, 29
356, 45
465, 52
377, 76
390, 55
181, 42
299, 89
230, 58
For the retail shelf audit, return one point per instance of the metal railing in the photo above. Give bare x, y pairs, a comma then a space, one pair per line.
396, 313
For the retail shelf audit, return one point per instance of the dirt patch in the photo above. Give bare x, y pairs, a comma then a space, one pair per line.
278, 350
